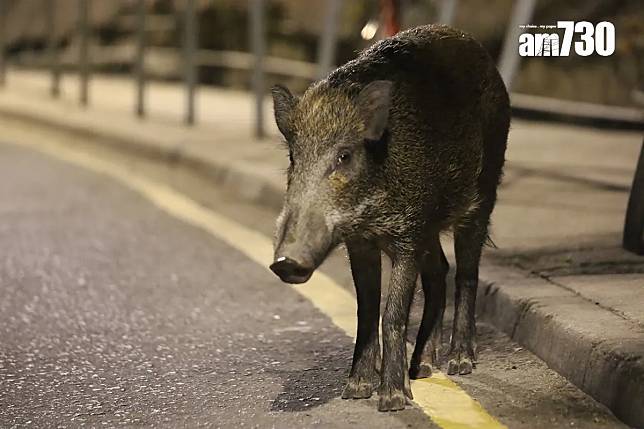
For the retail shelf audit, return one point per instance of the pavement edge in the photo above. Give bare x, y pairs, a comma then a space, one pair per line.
597, 350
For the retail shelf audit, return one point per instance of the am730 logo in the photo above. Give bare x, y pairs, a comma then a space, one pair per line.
598, 39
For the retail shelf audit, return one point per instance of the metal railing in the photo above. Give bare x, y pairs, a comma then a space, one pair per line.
258, 46
83, 60
139, 68
3, 27
510, 60
255, 61
52, 56
192, 57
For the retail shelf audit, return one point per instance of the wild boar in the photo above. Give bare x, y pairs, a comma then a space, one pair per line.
392, 149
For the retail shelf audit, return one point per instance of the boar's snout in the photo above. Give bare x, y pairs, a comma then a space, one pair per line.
302, 243
291, 271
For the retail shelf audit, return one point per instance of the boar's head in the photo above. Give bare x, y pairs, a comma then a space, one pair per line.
334, 141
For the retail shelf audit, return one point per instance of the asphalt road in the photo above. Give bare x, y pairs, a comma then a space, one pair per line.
114, 313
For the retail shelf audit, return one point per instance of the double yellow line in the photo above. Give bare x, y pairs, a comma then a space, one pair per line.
439, 397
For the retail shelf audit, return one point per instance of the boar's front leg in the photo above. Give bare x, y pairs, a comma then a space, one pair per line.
365, 268
394, 385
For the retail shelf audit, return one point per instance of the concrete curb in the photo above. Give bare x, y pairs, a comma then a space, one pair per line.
586, 345
596, 349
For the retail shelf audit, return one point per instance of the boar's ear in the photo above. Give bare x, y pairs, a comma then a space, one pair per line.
283, 104
374, 101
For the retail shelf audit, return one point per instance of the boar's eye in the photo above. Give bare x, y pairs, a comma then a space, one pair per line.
290, 156
344, 157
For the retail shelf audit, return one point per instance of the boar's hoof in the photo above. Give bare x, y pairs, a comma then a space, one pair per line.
358, 388
461, 358
391, 399
460, 365
420, 370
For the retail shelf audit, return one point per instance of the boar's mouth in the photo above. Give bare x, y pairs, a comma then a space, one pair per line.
290, 271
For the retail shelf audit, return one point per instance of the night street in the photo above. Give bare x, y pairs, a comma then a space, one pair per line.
113, 313
321, 214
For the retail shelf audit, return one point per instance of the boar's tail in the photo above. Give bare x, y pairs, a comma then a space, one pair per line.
489, 243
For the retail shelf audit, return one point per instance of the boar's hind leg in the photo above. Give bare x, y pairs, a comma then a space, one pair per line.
365, 267
394, 386
428, 342
468, 242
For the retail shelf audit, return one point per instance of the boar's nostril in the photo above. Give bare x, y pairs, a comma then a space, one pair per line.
291, 271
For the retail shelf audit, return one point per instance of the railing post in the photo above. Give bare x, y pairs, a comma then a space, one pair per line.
633, 238
510, 59
447, 11
328, 36
3, 35
258, 46
52, 54
189, 48
83, 60
140, 58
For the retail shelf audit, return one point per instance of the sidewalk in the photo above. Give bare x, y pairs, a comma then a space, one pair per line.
559, 283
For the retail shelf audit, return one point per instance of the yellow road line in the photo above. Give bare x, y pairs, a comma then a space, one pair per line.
439, 397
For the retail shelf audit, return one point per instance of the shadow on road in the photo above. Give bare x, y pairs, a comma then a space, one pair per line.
309, 388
